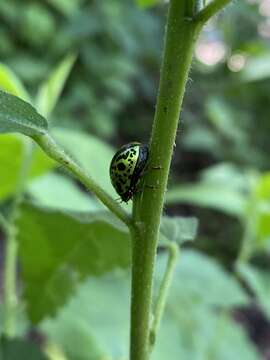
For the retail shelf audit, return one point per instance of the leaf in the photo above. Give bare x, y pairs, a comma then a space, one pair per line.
61, 249
179, 229
226, 175
259, 282
257, 68
195, 269
17, 349
10, 83
208, 195
60, 192
87, 328
146, 3
50, 91
11, 152
67, 8
17, 115
224, 119
195, 329
93, 154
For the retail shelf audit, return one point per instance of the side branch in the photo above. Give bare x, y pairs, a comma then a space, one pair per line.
210, 10
54, 151
173, 251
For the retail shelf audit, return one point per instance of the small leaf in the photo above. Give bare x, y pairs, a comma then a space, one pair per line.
50, 91
179, 229
62, 248
10, 82
17, 115
17, 349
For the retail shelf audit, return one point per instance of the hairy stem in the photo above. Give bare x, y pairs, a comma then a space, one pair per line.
180, 38
54, 151
10, 293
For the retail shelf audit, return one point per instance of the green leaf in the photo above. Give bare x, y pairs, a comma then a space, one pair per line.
259, 282
179, 229
17, 349
67, 8
50, 91
87, 328
227, 175
256, 69
219, 288
224, 119
60, 192
147, 3
93, 154
17, 115
191, 328
66, 248
208, 195
10, 83
11, 152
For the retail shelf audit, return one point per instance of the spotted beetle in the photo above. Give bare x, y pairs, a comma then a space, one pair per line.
127, 167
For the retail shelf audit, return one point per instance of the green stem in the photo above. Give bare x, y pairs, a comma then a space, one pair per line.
180, 38
10, 293
4, 223
164, 290
210, 10
54, 151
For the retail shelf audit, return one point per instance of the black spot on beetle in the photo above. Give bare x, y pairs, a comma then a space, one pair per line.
121, 166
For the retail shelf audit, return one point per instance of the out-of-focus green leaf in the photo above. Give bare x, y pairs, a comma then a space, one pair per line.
11, 152
224, 119
67, 8
87, 328
192, 327
208, 195
54, 352
62, 248
227, 175
146, 3
17, 349
259, 282
260, 206
256, 69
50, 91
10, 82
202, 280
60, 192
17, 115
179, 229
93, 154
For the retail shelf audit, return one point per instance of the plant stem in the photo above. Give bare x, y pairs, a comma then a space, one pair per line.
172, 248
4, 223
54, 151
180, 38
210, 10
10, 293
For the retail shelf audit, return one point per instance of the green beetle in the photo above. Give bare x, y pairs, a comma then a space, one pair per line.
127, 167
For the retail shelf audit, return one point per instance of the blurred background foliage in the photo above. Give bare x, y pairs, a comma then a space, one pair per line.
106, 55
